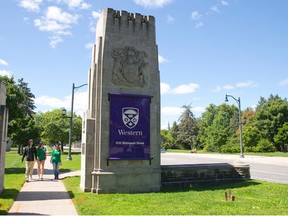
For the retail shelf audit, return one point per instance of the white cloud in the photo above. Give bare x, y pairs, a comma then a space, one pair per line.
89, 46
2, 62
195, 15
164, 88
152, 3
73, 4
54, 40
186, 88
50, 25
181, 89
56, 22
254, 106
5, 73
56, 14
85, 6
224, 2
284, 82
217, 89
31, 5
171, 111
80, 102
198, 109
170, 19
199, 25
177, 111
161, 59
96, 14
245, 84
49, 101
215, 9
95, 17
228, 87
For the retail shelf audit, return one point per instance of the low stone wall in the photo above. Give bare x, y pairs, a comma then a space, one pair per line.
186, 175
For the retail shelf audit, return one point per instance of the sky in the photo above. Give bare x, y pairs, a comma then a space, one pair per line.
207, 49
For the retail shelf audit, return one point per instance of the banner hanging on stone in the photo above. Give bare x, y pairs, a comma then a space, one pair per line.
129, 126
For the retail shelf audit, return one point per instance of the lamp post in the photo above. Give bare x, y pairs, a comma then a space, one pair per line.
239, 122
71, 118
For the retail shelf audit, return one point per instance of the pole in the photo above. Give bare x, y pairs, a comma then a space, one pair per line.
240, 129
71, 123
239, 122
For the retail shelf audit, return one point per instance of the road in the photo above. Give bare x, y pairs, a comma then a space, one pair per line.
272, 169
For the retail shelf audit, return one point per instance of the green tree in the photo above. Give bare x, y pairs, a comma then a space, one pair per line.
281, 138
167, 141
251, 137
220, 124
174, 134
55, 128
187, 129
271, 116
20, 102
28, 102
27, 129
205, 123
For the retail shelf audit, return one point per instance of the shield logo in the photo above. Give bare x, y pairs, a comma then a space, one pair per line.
130, 116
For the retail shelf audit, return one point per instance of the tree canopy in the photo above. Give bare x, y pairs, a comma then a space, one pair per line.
217, 130
24, 123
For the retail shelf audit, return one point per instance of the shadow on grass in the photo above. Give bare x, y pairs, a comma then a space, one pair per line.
15, 170
2, 212
65, 170
9, 194
213, 187
72, 153
71, 194
22, 171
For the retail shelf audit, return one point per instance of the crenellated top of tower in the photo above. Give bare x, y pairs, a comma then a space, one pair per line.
135, 18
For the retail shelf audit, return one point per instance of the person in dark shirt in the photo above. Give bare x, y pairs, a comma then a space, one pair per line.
30, 153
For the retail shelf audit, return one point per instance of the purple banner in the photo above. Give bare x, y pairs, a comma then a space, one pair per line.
129, 126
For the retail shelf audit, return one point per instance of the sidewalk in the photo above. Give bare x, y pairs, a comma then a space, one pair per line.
46, 197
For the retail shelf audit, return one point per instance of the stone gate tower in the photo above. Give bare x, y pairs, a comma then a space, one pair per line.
121, 128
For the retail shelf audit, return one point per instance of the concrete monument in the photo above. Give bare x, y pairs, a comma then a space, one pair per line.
3, 133
121, 128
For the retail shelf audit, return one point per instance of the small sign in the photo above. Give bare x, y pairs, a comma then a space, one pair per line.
129, 126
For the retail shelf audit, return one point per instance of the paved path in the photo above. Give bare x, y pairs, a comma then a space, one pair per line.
46, 197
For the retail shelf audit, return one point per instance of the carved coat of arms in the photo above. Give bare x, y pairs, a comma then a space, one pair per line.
128, 67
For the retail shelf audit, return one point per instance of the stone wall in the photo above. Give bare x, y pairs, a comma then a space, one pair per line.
184, 176
3, 133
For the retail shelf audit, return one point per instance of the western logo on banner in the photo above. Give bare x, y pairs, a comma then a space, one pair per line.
129, 126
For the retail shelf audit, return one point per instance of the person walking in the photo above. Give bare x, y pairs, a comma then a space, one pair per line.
56, 160
41, 157
30, 153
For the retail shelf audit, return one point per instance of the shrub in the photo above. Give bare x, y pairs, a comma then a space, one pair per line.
230, 148
210, 148
264, 146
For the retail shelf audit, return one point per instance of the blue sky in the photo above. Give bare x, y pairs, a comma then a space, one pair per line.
207, 48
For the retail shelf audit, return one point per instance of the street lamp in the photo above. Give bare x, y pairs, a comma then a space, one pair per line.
239, 122
64, 112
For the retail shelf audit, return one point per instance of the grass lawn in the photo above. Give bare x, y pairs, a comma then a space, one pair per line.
13, 180
71, 165
251, 198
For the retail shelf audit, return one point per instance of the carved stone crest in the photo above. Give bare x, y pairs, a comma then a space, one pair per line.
128, 67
